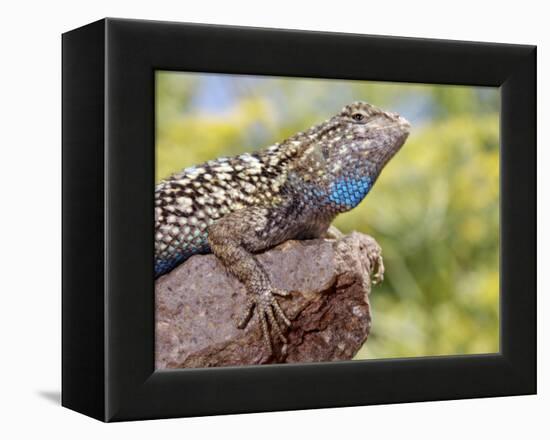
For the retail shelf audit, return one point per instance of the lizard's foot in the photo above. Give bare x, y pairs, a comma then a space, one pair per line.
268, 310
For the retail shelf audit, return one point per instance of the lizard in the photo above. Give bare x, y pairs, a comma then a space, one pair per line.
236, 207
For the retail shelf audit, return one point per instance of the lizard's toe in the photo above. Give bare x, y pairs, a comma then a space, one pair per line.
265, 330
280, 292
275, 325
280, 312
247, 315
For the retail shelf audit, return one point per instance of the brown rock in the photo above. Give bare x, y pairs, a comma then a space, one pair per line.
199, 303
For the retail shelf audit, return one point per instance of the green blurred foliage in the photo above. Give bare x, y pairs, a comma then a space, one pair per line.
434, 209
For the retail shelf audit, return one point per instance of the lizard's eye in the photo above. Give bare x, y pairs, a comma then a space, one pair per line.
358, 117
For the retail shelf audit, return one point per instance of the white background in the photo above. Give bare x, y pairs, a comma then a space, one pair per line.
30, 188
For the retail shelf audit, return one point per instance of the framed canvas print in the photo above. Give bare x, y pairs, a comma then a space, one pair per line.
263, 219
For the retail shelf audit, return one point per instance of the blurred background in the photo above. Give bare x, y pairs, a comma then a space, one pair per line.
434, 209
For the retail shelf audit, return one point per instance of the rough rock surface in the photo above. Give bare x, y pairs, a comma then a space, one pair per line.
199, 303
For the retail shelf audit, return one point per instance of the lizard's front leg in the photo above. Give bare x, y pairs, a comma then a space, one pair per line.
232, 239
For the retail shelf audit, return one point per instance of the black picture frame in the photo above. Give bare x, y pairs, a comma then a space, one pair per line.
108, 179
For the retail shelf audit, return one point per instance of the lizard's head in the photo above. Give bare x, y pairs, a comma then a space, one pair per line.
345, 154
364, 132
355, 145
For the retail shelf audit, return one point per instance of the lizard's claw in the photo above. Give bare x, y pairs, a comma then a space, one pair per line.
269, 314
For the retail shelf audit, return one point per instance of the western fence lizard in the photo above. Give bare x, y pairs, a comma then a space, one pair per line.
238, 206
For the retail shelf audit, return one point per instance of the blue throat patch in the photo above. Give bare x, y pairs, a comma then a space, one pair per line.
348, 192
